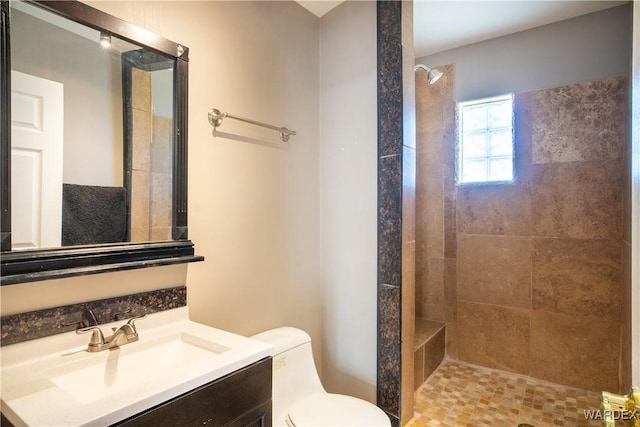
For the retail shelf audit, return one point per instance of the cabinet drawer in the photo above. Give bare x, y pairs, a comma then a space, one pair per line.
221, 402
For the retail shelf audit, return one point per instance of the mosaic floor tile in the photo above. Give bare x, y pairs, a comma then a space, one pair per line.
458, 394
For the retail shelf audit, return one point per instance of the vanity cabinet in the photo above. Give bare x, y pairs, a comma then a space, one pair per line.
240, 399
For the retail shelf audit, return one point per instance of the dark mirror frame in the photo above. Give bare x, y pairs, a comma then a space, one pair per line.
34, 265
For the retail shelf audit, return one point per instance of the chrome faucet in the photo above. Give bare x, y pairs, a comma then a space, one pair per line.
126, 334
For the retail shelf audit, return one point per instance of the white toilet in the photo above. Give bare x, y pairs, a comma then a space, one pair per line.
299, 400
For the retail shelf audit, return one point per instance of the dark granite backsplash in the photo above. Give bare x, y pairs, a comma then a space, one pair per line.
42, 323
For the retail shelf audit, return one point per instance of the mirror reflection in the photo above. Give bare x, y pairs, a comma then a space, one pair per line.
91, 135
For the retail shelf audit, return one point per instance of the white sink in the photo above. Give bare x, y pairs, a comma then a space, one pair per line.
111, 372
55, 381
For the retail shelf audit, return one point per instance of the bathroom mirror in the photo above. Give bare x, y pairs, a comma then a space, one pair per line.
93, 144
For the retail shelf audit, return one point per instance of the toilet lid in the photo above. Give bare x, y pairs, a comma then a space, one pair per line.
327, 409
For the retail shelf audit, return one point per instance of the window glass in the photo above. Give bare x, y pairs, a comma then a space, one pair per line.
485, 145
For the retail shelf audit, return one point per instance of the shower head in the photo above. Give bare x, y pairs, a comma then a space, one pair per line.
432, 74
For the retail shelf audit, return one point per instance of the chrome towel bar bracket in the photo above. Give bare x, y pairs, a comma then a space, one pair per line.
216, 117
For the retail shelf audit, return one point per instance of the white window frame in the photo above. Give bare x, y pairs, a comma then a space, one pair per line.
487, 130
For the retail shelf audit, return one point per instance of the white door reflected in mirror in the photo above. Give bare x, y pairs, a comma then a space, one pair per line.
36, 159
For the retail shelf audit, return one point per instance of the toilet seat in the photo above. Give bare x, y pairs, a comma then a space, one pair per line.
328, 409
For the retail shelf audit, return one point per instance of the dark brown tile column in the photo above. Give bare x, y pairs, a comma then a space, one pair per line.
396, 206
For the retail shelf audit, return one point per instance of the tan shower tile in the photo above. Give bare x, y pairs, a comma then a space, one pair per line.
428, 298
161, 200
494, 270
407, 373
418, 370
450, 225
435, 103
522, 129
579, 200
408, 75
493, 336
451, 344
434, 351
430, 158
494, 209
426, 109
577, 276
448, 83
141, 90
420, 287
141, 159
450, 165
431, 281
161, 234
430, 225
580, 122
408, 194
140, 205
408, 291
426, 330
162, 145
450, 290
574, 350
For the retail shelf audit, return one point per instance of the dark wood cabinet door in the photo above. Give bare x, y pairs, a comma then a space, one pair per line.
242, 398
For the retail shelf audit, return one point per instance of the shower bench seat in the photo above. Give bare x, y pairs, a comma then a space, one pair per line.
429, 349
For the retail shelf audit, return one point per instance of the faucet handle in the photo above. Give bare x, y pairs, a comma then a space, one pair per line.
131, 322
97, 338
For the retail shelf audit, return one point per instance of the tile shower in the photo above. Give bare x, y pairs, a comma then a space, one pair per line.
151, 190
528, 277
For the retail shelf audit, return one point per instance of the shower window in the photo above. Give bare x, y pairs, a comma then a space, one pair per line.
485, 140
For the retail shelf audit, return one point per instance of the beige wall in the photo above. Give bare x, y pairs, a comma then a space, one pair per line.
534, 59
253, 207
53, 293
256, 209
349, 195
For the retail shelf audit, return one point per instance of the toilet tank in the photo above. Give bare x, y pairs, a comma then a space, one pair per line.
294, 372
